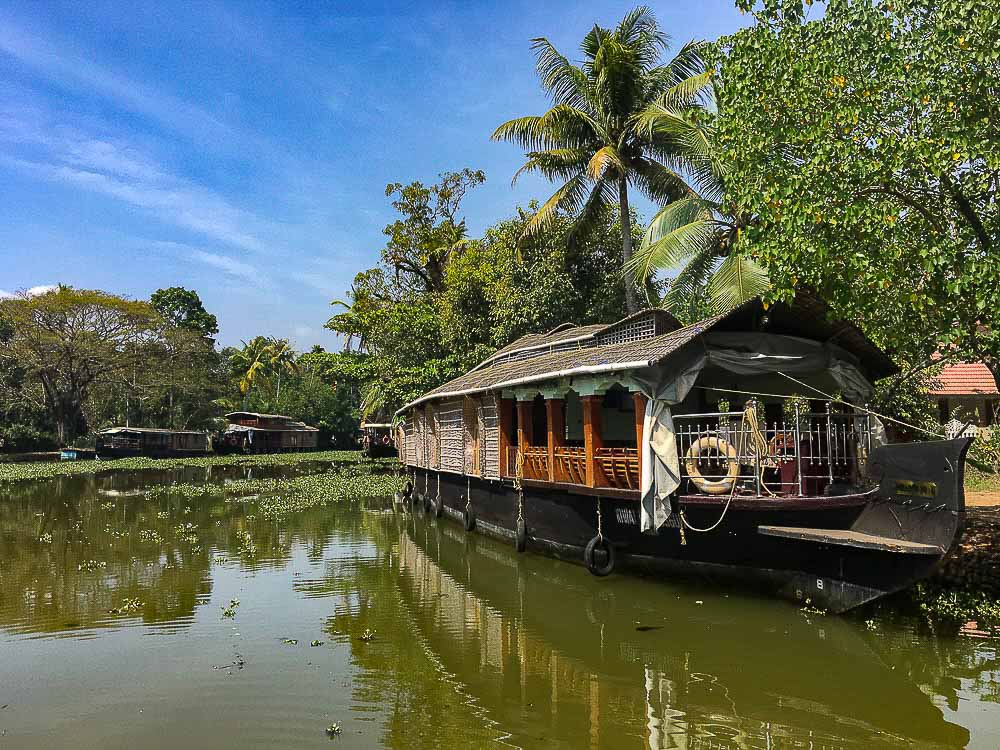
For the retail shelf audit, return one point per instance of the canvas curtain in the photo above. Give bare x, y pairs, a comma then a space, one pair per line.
748, 354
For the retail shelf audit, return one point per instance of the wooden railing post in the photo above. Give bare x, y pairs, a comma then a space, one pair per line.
525, 424
640, 418
506, 409
556, 427
592, 436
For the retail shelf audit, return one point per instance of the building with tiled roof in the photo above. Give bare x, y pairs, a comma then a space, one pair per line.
969, 388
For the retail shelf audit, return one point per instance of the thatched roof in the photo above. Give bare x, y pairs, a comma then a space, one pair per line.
651, 336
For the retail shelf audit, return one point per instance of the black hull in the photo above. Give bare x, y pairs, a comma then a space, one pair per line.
830, 576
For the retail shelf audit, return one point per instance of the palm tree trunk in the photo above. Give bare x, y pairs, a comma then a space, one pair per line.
631, 302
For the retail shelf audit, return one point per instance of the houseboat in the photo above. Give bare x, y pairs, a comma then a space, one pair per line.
121, 442
735, 448
250, 432
377, 440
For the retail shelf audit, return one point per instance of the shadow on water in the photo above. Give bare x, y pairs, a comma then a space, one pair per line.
426, 637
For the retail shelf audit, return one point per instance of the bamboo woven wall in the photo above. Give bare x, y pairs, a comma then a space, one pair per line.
457, 435
452, 445
489, 437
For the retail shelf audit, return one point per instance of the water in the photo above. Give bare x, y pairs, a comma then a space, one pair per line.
112, 635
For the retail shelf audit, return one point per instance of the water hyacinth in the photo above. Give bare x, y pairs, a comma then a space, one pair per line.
24, 472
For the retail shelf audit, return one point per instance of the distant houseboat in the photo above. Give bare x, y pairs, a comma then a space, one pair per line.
377, 440
715, 449
120, 442
250, 432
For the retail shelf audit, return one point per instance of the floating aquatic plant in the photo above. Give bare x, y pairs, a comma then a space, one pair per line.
230, 611
127, 607
333, 730
21, 472
368, 635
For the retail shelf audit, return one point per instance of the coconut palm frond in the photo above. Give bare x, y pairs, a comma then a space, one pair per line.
675, 248
570, 197
739, 279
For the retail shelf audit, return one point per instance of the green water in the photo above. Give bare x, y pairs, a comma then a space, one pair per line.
112, 635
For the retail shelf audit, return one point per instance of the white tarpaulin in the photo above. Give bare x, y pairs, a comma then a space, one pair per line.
747, 354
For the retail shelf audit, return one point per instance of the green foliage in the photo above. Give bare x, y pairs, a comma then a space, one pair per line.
70, 344
493, 291
593, 140
19, 438
865, 140
182, 308
27, 472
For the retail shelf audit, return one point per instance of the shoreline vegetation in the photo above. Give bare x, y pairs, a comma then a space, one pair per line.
26, 472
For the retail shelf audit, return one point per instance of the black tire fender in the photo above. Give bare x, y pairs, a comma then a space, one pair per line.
520, 535
469, 519
591, 555
438, 506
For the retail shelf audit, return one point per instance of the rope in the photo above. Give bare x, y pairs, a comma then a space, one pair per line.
866, 411
518, 476
757, 439
600, 531
825, 395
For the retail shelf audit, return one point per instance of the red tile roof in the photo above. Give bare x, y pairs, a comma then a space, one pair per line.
965, 379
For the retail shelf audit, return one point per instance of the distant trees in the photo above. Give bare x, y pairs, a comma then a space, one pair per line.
69, 342
404, 338
182, 308
593, 139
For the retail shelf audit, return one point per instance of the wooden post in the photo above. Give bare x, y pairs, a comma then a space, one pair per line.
556, 426
640, 418
525, 424
506, 409
592, 435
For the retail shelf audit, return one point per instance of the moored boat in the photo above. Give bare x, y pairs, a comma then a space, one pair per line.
251, 432
376, 440
717, 449
124, 442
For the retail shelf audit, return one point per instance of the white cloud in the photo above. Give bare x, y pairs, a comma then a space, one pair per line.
33, 291
229, 265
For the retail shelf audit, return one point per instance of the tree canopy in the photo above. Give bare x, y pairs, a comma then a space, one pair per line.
183, 308
865, 139
592, 140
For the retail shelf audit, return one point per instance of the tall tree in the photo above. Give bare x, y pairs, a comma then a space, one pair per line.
697, 235
866, 139
591, 140
182, 308
430, 229
71, 341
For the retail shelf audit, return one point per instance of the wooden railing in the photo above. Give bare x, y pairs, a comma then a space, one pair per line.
571, 465
619, 467
615, 467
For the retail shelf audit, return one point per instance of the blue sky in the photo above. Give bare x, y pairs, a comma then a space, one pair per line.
243, 150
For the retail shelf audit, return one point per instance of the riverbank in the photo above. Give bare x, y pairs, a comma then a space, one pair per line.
23, 472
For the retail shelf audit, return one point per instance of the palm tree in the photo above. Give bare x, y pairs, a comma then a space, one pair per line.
281, 359
591, 139
697, 234
251, 362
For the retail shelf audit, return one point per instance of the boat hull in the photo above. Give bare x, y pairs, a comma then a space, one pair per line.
829, 574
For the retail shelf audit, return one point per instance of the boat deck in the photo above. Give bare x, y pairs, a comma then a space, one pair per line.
856, 539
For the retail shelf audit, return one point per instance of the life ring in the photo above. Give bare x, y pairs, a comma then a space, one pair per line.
469, 519
712, 486
520, 535
595, 545
385, 440
438, 506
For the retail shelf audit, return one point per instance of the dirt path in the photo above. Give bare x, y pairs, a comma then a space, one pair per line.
982, 499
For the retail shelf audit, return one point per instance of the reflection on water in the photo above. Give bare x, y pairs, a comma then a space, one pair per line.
112, 635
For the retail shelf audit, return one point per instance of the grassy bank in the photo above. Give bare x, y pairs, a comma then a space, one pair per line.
26, 472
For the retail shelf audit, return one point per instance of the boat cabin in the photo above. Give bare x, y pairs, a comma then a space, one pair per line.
119, 442
377, 440
738, 404
251, 432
